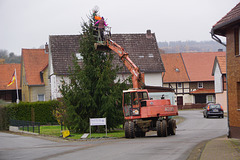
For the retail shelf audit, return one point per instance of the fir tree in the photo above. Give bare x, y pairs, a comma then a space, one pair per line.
92, 92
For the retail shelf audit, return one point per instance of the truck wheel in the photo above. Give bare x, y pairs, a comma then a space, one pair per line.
143, 134
164, 128
172, 126
161, 128
158, 127
138, 134
126, 129
131, 130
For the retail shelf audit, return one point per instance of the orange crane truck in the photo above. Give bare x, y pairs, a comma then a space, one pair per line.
141, 113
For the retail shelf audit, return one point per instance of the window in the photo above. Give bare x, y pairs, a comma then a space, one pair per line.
210, 98
79, 56
200, 84
236, 40
41, 97
238, 94
179, 85
150, 55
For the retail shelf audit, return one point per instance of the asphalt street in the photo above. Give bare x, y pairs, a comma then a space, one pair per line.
192, 131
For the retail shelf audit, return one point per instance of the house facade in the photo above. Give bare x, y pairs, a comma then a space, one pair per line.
9, 93
189, 74
220, 81
142, 49
34, 75
229, 27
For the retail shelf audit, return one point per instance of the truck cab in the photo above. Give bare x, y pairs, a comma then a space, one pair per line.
132, 101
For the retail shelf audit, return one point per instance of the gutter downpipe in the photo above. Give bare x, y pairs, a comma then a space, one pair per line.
214, 37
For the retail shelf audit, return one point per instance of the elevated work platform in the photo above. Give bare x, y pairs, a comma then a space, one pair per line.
102, 46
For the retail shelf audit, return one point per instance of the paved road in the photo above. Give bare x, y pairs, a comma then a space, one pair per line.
189, 133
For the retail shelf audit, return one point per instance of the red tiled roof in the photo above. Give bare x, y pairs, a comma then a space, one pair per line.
6, 72
199, 65
221, 60
34, 60
203, 91
174, 68
228, 19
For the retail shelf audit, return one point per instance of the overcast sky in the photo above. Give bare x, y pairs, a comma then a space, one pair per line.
28, 23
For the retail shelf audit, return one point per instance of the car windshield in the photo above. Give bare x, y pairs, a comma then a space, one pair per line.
215, 106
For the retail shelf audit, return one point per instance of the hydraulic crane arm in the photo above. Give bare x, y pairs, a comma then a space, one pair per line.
137, 76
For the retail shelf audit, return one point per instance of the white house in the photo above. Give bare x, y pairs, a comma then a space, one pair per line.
219, 73
142, 49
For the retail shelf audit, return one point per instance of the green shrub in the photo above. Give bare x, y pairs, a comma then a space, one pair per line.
4, 121
33, 111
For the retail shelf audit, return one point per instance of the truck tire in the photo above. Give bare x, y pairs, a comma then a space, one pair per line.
126, 129
161, 128
143, 134
158, 127
131, 130
172, 127
164, 128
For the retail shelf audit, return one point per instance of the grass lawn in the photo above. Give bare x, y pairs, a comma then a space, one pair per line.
56, 131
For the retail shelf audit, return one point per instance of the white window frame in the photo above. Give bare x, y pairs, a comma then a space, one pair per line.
200, 84
79, 56
41, 95
210, 98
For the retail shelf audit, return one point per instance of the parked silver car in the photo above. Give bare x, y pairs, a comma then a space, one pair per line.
213, 110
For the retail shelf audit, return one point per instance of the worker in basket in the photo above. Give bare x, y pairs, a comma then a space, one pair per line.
101, 26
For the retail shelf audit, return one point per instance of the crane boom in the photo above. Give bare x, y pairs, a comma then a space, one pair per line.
137, 76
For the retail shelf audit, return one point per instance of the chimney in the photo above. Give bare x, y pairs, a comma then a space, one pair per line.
149, 34
46, 48
220, 50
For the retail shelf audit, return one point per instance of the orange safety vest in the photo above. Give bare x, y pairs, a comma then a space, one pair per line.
98, 18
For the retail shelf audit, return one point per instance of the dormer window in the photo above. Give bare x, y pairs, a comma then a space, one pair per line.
200, 84
79, 56
150, 55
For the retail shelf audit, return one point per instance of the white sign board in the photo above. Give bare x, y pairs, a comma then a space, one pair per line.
97, 121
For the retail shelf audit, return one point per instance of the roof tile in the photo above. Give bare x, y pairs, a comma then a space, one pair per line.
6, 72
174, 68
34, 60
233, 14
142, 50
199, 65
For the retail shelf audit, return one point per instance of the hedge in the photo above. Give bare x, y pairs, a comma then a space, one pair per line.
33, 111
4, 121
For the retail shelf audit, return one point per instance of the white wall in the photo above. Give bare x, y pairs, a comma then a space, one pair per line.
55, 83
151, 79
221, 98
218, 84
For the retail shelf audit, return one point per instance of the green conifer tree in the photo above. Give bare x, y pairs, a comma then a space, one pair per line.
92, 92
